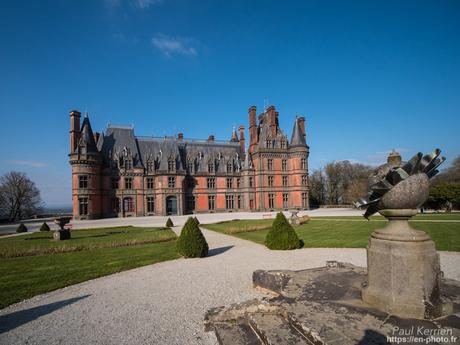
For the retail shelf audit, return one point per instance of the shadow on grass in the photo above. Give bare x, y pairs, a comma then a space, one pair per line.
220, 250
13, 320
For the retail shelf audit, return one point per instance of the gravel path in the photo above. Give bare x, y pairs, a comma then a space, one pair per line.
163, 303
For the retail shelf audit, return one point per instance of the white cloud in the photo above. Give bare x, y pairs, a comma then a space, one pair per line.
174, 45
32, 164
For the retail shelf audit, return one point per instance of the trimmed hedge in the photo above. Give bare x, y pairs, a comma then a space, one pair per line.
169, 223
191, 242
44, 227
21, 228
196, 220
282, 235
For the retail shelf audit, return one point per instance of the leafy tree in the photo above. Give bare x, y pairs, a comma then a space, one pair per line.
19, 197
44, 227
169, 223
444, 195
282, 235
191, 242
21, 228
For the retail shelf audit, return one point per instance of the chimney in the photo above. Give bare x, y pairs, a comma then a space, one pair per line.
241, 132
272, 120
74, 129
301, 121
211, 138
394, 158
252, 128
180, 136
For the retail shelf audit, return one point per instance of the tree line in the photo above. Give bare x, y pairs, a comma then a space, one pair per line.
343, 182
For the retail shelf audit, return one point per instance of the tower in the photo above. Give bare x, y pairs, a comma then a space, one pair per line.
85, 160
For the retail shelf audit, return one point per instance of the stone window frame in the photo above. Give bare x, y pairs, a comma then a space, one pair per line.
304, 180
128, 204
285, 181
171, 182
285, 200
271, 180
211, 167
271, 200
83, 206
229, 182
229, 201
303, 163
229, 167
238, 201
150, 182
269, 164
83, 181
128, 183
171, 164
284, 164
211, 202
238, 182
150, 202
211, 182
251, 182
304, 200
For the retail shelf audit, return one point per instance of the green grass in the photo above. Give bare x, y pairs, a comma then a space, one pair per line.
42, 243
420, 216
323, 233
106, 251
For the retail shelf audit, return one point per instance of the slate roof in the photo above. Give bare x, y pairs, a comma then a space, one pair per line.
297, 138
159, 150
87, 136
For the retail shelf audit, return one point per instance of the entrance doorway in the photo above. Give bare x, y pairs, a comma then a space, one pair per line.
171, 205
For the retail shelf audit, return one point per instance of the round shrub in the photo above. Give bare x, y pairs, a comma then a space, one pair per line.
282, 235
21, 228
191, 242
44, 227
169, 223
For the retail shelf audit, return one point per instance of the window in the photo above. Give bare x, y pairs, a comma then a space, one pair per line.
129, 205
285, 200
128, 163
150, 166
238, 182
115, 183
171, 165
150, 204
270, 164
304, 180
229, 167
271, 200
303, 163
128, 183
251, 181
283, 144
211, 182
211, 201
285, 181
83, 206
238, 201
171, 182
83, 181
210, 167
270, 181
284, 165
304, 200
229, 182
229, 202
150, 183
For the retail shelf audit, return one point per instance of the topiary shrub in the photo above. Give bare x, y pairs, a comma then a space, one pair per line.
169, 223
282, 235
196, 220
21, 228
191, 242
44, 227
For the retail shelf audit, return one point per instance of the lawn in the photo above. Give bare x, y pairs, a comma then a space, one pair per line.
345, 232
101, 252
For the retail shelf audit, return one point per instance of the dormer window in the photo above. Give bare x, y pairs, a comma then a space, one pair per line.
127, 163
171, 165
150, 166
268, 143
229, 167
210, 167
283, 144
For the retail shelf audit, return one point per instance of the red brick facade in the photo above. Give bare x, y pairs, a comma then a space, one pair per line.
116, 174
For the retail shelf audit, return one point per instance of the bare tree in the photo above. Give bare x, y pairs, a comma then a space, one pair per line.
19, 197
317, 183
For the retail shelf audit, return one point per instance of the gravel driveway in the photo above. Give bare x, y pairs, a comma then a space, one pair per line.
163, 303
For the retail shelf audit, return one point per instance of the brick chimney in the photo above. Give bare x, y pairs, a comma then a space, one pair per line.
272, 120
211, 138
241, 133
180, 136
74, 129
301, 121
252, 128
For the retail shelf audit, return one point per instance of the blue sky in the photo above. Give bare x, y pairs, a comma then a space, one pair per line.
368, 76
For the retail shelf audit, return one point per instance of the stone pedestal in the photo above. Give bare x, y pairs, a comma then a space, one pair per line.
403, 269
61, 235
